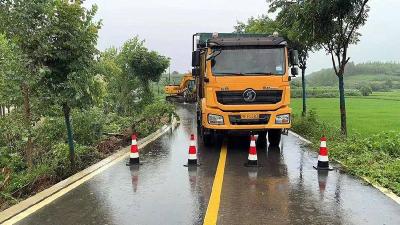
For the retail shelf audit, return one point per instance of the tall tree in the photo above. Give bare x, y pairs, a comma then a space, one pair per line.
289, 22
25, 22
262, 24
140, 63
70, 51
334, 25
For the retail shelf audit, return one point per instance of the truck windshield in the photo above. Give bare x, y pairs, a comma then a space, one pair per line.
249, 61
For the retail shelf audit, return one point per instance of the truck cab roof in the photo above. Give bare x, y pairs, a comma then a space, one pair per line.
237, 39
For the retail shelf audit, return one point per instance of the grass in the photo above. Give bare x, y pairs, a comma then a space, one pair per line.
365, 115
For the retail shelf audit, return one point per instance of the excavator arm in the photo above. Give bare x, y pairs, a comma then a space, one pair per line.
184, 92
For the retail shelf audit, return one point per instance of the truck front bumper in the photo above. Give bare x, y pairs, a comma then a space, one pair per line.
234, 120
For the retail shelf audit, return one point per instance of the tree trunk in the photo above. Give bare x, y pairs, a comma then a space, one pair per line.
343, 124
303, 85
28, 121
67, 117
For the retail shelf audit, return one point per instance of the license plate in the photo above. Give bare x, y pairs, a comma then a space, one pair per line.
250, 116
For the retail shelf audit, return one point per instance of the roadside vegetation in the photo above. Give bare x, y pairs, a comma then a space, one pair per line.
374, 154
68, 104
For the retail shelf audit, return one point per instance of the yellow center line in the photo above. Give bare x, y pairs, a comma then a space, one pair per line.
215, 198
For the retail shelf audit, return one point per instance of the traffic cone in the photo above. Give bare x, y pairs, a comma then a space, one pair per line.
192, 159
323, 160
134, 155
252, 158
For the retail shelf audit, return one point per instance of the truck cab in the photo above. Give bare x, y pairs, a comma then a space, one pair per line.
243, 84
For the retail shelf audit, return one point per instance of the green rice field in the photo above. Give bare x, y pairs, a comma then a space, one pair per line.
365, 115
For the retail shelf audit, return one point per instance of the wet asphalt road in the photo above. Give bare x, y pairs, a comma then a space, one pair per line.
285, 190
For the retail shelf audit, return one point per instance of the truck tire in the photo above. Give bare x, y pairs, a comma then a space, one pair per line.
262, 139
198, 120
274, 137
207, 137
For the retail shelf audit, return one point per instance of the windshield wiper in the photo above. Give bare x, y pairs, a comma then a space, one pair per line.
260, 73
230, 73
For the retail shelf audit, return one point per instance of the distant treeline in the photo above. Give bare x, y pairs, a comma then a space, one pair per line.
388, 68
380, 76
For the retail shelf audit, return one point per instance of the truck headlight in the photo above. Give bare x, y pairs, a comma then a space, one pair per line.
282, 119
215, 119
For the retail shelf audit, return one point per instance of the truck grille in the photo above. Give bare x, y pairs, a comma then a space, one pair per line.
237, 120
236, 97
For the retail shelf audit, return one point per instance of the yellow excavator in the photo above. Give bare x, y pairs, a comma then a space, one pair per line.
184, 92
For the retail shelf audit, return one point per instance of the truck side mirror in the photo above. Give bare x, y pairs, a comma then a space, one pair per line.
196, 72
196, 58
294, 57
294, 71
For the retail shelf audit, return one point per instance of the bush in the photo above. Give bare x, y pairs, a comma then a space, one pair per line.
12, 131
88, 125
116, 124
59, 158
153, 115
22, 180
47, 132
11, 160
311, 127
365, 89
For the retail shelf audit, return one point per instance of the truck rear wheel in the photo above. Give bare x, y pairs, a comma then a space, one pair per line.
274, 137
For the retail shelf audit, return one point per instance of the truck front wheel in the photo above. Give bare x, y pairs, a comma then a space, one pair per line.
274, 137
262, 139
207, 136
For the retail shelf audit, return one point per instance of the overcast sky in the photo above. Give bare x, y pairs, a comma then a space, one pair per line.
167, 26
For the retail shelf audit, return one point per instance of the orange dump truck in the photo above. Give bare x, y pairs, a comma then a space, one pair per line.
242, 83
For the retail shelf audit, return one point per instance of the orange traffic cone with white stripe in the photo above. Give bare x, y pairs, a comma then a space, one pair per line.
323, 160
252, 158
192, 159
134, 155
